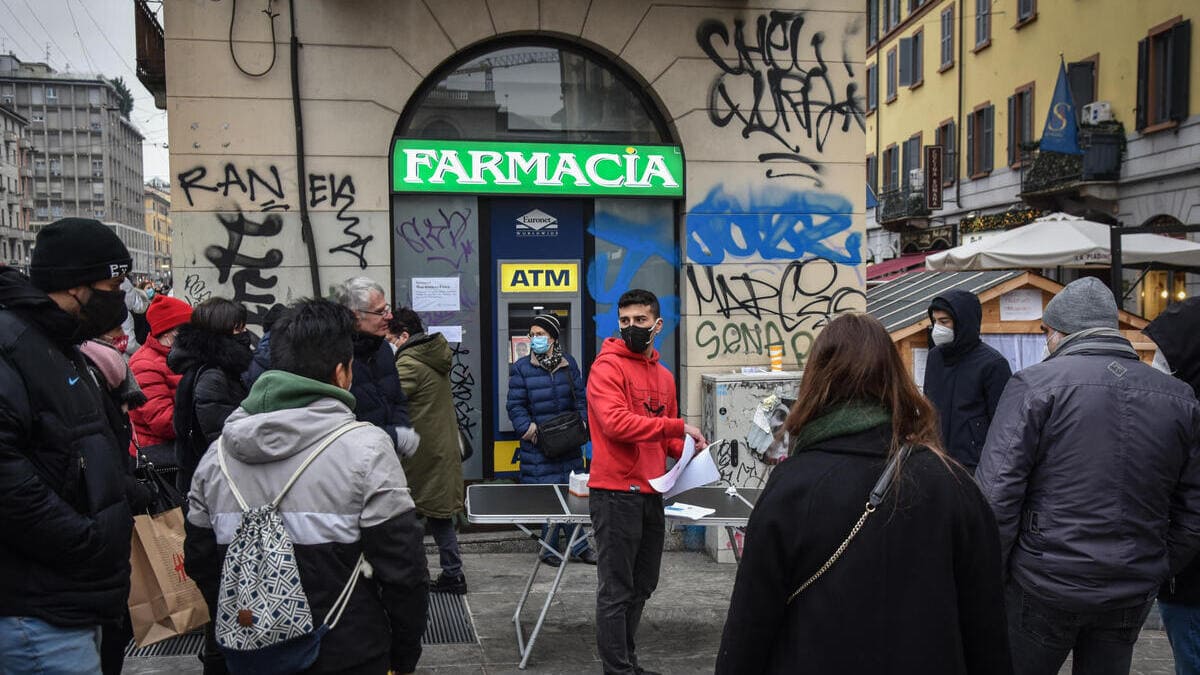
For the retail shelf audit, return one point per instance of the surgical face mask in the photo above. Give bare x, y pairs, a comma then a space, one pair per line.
150, 293
1052, 338
540, 344
1160, 363
637, 338
942, 335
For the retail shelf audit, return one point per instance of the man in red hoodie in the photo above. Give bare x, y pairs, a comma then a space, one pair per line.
635, 425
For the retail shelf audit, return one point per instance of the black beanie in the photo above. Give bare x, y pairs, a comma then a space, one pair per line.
76, 252
549, 323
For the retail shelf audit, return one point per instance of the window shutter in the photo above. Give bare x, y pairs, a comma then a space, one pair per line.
918, 45
1081, 77
950, 161
895, 167
1181, 49
989, 137
1027, 117
906, 61
970, 145
1012, 130
1143, 84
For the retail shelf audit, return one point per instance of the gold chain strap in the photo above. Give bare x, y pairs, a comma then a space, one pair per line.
836, 554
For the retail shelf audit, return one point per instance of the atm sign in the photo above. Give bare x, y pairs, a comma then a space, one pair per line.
538, 277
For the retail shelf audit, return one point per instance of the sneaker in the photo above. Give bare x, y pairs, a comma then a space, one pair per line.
588, 557
444, 584
551, 560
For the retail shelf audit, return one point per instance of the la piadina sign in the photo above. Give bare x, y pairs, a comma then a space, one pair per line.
490, 167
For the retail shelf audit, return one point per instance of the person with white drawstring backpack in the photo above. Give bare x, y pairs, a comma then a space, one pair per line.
302, 534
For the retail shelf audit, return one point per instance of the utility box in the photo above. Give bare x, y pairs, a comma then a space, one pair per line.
741, 416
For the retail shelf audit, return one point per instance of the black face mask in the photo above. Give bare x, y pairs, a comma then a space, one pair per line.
636, 338
242, 338
104, 311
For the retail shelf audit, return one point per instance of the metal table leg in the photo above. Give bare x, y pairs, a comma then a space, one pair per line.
523, 647
733, 541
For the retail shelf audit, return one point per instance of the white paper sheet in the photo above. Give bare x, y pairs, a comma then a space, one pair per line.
1023, 304
451, 333
694, 469
435, 294
678, 510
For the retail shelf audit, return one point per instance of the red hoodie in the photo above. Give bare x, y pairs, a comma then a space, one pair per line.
634, 419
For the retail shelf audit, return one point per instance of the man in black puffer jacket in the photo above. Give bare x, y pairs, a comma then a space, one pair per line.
65, 523
963, 377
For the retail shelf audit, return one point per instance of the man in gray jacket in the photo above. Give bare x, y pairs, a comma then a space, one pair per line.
1091, 466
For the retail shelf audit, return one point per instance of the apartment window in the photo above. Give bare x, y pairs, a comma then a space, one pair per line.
895, 13
51, 94
872, 87
97, 167
911, 161
42, 212
981, 140
947, 41
872, 22
912, 72
946, 136
873, 173
1026, 11
55, 167
1020, 122
98, 214
56, 211
891, 168
37, 118
983, 23
1163, 75
914, 5
891, 75
39, 166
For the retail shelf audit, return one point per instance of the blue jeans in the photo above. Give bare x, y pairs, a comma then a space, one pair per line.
31, 646
1041, 635
560, 533
1183, 630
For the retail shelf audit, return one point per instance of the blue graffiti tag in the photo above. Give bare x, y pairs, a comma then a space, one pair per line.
774, 224
641, 242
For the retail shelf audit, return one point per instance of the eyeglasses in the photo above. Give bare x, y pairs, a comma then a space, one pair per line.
387, 309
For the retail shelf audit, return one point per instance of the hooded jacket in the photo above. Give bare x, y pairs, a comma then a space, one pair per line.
922, 578
1175, 331
1091, 468
65, 524
376, 387
633, 416
210, 388
535, 395
964, 379
435, 471
352, 499
154, 421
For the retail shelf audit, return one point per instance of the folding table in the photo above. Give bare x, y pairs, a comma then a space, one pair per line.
524, 505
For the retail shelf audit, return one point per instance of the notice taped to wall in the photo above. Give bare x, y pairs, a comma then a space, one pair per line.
435, 294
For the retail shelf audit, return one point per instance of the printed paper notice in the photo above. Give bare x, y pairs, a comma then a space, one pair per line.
920, 357
694, 469
451, 333
1023, 304
435, 294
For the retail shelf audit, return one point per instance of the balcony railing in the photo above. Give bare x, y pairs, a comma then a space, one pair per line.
1045, 172
151, 52
901, 204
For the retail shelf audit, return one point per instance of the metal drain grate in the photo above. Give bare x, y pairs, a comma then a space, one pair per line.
184, 645
449, 621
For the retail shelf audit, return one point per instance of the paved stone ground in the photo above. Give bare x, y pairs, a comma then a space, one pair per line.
680, 630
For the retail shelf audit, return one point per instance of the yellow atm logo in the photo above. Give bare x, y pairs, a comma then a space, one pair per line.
539, 277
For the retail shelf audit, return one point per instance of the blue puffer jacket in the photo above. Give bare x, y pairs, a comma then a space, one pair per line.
536, 395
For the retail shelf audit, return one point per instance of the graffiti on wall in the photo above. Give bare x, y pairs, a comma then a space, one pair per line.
328, 187
779, 84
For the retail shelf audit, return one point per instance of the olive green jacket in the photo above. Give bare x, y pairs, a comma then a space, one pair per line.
435, 471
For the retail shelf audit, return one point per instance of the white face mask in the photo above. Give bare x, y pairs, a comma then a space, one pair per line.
942, 335
1160, 363
1048, 350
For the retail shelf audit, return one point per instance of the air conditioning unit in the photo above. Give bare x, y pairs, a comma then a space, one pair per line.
1097, 112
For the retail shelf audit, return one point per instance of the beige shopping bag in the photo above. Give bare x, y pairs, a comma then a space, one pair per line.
163, 601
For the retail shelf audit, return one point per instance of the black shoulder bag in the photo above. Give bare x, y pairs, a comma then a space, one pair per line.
565, 432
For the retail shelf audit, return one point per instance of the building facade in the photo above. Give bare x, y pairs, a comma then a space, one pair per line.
85, 157
16, 239
485, 161
158, 224
977, 78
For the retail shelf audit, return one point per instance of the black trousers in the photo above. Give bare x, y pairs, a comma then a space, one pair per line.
630, 528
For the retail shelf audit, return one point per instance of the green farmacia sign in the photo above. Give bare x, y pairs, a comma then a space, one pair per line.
488, 167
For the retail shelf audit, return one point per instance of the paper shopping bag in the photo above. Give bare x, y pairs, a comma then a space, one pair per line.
163, 601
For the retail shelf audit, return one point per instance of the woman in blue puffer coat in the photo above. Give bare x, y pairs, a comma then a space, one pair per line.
540, 386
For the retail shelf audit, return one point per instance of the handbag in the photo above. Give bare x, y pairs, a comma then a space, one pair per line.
565, 432
878, 493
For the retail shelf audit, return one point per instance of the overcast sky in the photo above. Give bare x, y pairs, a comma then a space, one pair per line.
89, 36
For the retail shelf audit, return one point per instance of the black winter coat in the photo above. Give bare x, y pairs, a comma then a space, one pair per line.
65, 524
212, 387
918, 590
376, 388
964, 379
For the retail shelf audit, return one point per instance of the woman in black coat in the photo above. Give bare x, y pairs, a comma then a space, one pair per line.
919, 588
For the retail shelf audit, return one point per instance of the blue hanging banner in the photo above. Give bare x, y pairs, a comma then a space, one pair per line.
1061, 133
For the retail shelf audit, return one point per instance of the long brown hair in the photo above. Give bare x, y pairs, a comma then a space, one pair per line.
854, 361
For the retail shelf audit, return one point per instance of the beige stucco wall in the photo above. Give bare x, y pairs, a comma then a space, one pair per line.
361, 61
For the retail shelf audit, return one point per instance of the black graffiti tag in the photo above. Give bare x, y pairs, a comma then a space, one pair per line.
340, 192
224, 258
782, 92
442, 239
461, 381
252, 186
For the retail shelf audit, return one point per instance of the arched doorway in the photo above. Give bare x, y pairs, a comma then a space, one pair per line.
530, 175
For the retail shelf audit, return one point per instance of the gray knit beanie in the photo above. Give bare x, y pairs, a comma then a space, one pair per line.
1082, 304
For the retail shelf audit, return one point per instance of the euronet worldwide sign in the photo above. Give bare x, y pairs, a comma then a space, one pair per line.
488, 167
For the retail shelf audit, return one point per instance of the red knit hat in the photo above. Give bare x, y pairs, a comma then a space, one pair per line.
166, 313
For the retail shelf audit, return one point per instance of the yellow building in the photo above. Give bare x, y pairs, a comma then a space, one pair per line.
977, 78
158, 223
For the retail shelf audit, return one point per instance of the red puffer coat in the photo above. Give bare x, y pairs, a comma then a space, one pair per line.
154, 421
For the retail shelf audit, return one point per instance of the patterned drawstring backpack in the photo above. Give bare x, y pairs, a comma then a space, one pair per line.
264, 625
